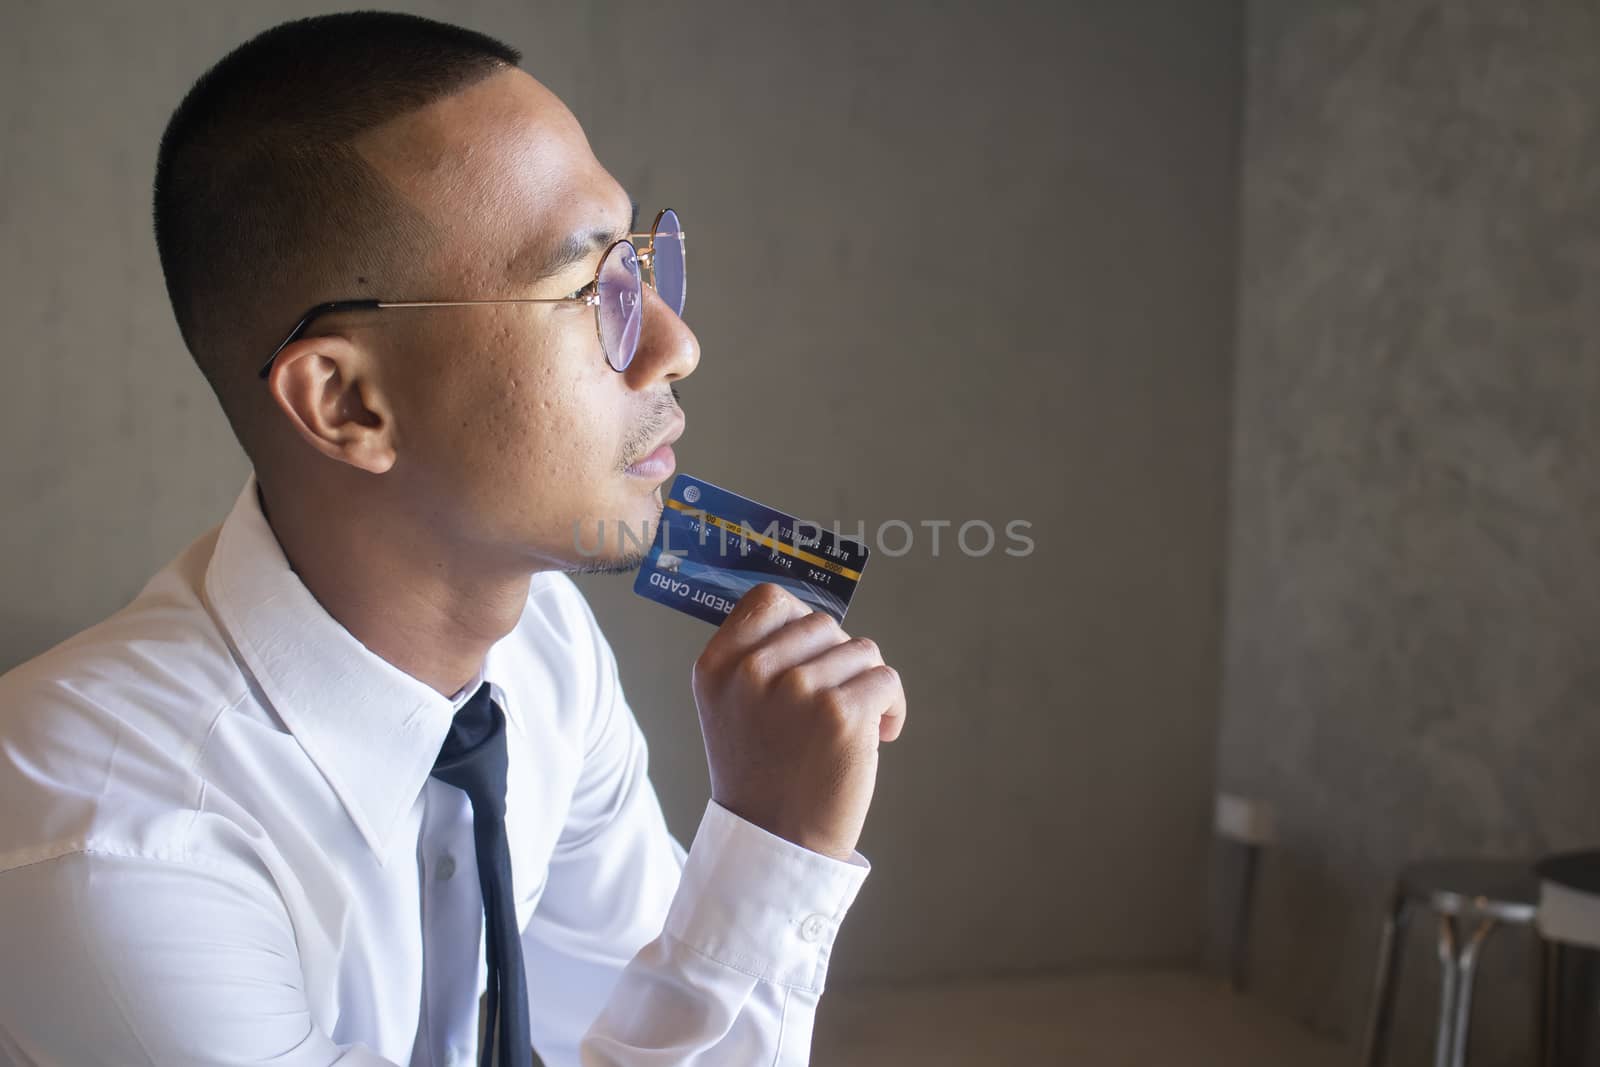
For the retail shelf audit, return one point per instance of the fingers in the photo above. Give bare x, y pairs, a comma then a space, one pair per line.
837, 663
794, 643
773, 643
758, 614
877, 692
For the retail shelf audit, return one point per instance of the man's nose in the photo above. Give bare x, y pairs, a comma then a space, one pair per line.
667, 349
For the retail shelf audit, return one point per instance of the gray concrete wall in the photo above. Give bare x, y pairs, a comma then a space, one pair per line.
950, 264
1414, 588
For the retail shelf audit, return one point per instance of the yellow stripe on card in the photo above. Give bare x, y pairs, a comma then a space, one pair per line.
748, 534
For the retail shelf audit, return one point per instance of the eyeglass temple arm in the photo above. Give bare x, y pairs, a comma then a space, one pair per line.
336, 306
308, 318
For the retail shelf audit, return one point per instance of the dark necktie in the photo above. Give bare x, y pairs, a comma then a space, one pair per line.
473, 760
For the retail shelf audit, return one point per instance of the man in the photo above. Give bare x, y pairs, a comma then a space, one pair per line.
360, 753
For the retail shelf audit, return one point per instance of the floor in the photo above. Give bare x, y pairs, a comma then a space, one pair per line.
1132, 1020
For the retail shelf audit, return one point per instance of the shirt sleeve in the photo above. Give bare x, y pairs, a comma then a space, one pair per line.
128, 961
638, 954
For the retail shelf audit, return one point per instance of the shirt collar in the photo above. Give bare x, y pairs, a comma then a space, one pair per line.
372, 730
465, 693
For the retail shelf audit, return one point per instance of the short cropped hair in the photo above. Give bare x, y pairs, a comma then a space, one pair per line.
259, 190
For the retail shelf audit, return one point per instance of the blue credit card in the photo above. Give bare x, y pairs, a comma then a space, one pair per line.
713, 546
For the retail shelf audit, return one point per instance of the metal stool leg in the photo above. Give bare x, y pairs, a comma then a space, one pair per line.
1240, 954
1390, 947
1466, 969
1448, 974
1549, 997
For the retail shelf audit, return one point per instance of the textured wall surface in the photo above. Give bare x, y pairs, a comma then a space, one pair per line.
949, 265
1414, 562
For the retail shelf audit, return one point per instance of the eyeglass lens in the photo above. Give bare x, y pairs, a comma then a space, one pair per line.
666, 261
621, 290
621, 308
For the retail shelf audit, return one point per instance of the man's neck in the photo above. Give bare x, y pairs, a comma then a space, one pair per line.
412, 602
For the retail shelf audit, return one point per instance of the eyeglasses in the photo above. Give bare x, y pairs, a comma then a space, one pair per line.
616, 293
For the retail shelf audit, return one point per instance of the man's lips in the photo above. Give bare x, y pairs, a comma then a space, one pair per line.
659, 462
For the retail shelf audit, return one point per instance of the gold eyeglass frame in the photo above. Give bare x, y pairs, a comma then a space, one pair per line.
589, 294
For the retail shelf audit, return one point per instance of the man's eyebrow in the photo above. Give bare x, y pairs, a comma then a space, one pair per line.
576, 248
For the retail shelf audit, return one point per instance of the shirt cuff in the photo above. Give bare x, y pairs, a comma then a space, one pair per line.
761, 905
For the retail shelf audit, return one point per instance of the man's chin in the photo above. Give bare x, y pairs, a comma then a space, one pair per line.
615, 565
615, 545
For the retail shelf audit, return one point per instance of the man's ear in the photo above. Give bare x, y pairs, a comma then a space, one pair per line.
326, 388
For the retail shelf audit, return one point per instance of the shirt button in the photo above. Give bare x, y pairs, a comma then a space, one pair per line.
813, 928
456, 1058
446, 869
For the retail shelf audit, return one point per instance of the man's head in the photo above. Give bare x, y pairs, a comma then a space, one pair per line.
384, 156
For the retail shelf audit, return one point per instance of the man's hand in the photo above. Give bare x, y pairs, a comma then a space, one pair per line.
793, 709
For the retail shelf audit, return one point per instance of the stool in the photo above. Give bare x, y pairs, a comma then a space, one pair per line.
1470, 897
1251, 826
1569, 918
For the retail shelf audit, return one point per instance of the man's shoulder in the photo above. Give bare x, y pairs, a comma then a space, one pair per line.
103, 730
165, 625
163, 651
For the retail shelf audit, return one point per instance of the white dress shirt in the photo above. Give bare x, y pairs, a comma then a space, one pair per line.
219, 844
